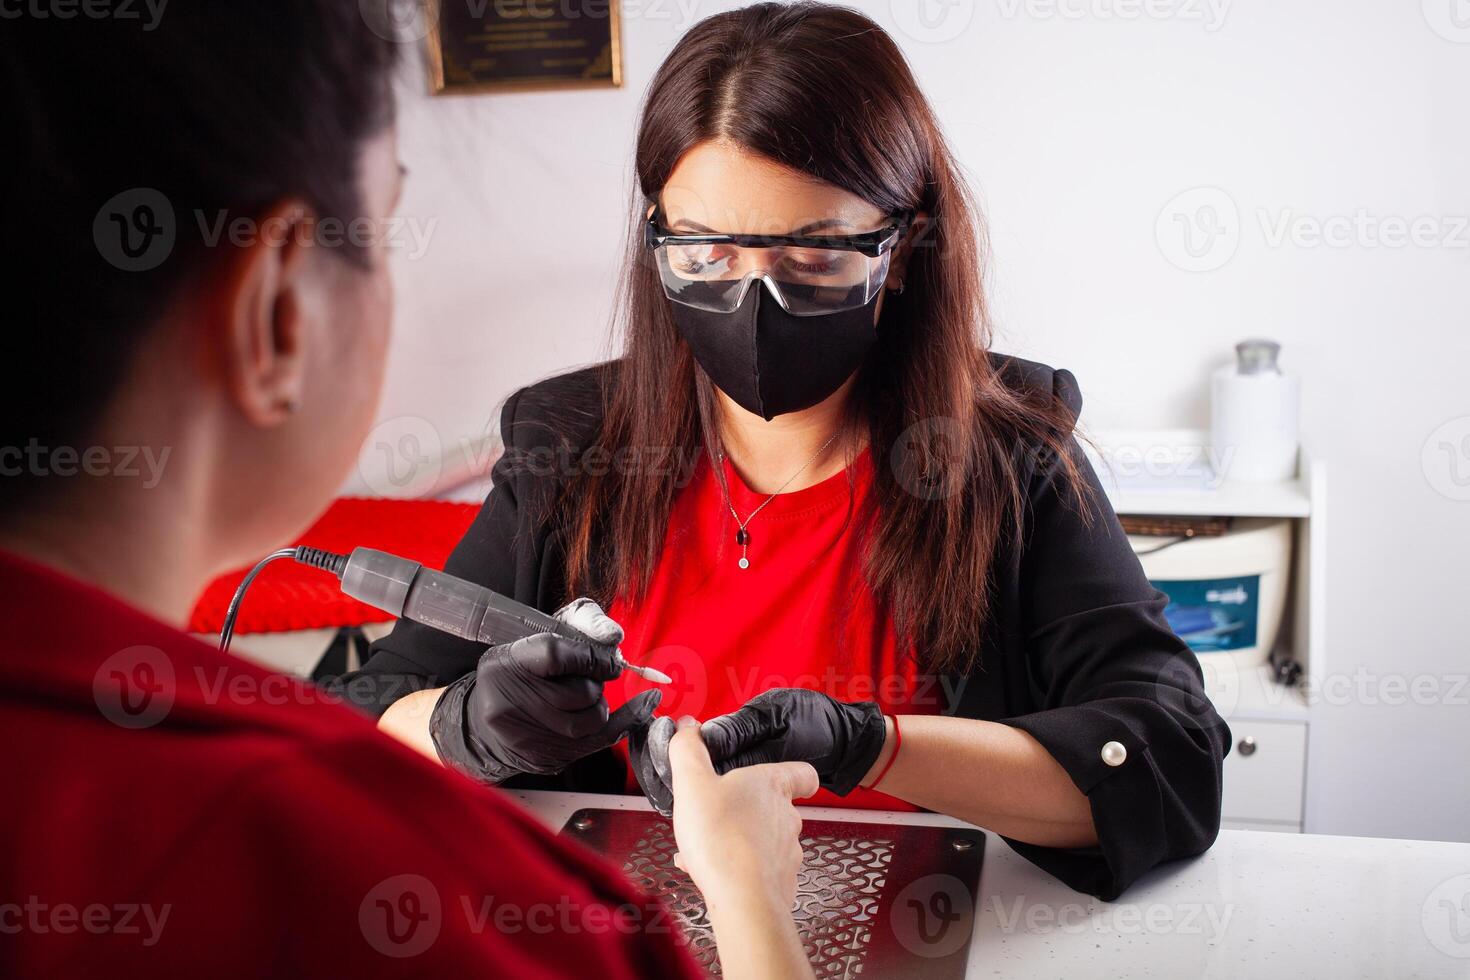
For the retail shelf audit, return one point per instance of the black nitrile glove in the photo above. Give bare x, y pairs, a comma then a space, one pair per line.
841, 740
536, 705
648, 751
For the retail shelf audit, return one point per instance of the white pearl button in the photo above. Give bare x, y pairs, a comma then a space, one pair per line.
1114, 754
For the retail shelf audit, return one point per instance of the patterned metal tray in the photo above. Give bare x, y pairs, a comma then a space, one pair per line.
873, 900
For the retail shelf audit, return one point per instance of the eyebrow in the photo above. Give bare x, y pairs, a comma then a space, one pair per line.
804, 230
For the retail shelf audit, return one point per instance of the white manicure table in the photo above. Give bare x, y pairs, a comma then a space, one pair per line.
1255, 905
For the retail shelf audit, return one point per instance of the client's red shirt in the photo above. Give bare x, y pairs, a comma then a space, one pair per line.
800, 616
172, 811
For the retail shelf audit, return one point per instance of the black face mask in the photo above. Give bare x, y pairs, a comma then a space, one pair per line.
771, 362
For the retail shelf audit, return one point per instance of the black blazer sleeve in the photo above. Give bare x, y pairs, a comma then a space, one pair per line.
1107, 668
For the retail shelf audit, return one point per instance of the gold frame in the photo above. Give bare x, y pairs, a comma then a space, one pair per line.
437, 85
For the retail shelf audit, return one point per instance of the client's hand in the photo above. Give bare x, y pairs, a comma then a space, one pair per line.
536, 705
841, 740
739, 834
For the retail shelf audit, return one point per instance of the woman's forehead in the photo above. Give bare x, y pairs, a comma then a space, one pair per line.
718, 186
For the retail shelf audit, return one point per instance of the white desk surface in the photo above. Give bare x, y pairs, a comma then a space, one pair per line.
1297, 906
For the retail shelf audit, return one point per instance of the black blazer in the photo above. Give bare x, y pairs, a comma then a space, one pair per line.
1078, 653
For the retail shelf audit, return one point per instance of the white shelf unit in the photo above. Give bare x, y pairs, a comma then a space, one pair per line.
1168, 472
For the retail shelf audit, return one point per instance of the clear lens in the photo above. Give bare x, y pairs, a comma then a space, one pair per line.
810, 281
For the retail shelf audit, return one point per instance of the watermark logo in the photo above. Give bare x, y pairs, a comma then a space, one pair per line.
401, 916
1198, 703
400, 21
1199, 230
1450, 19
689, 690
136, 230
928, 458
1222, 683
403, 457
1446, 459
932, 21
1446, 917
933, 916
134, 688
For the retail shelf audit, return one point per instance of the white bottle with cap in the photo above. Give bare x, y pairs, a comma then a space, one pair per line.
1255, 416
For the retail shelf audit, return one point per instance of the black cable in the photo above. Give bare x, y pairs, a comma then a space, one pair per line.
327, 561
1165, 546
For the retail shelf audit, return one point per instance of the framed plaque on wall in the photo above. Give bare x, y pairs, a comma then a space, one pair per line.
517, 45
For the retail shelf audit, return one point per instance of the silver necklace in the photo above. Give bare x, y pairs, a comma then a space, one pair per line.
742, 536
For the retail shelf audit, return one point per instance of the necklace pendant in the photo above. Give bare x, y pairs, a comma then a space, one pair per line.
742, 536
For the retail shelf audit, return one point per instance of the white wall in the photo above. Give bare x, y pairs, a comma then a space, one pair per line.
1080, 124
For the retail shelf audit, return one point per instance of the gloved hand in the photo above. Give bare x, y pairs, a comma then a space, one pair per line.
536, 705
648, 751
841, 740
786, 724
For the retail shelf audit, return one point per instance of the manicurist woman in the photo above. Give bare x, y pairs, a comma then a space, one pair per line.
808, 491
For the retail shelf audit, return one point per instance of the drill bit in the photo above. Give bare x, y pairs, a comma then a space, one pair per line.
650, 674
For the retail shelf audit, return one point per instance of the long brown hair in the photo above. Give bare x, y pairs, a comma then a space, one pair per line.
823, 90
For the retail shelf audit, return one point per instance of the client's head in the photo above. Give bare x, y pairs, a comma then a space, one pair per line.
194, 264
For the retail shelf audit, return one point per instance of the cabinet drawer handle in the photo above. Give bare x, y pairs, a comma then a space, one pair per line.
1247, 745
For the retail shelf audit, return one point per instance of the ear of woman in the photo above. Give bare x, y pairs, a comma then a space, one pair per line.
917, 234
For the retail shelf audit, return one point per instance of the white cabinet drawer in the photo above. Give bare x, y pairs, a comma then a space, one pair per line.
1265, 772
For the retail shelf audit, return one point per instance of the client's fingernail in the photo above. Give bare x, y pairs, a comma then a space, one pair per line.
687, 721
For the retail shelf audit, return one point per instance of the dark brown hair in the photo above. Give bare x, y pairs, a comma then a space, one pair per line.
823, 90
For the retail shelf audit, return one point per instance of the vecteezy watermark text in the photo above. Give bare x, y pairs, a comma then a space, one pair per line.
137, 230
398, 231
127, 462
136, 687
1075, 918
96, 918
1363, 229
1210, 13
403, 916
88, 9
1201, 229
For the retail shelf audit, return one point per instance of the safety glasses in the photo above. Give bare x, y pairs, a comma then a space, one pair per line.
808, 275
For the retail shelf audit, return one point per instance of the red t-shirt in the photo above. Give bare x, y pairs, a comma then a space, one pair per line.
173, 811
800, 616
